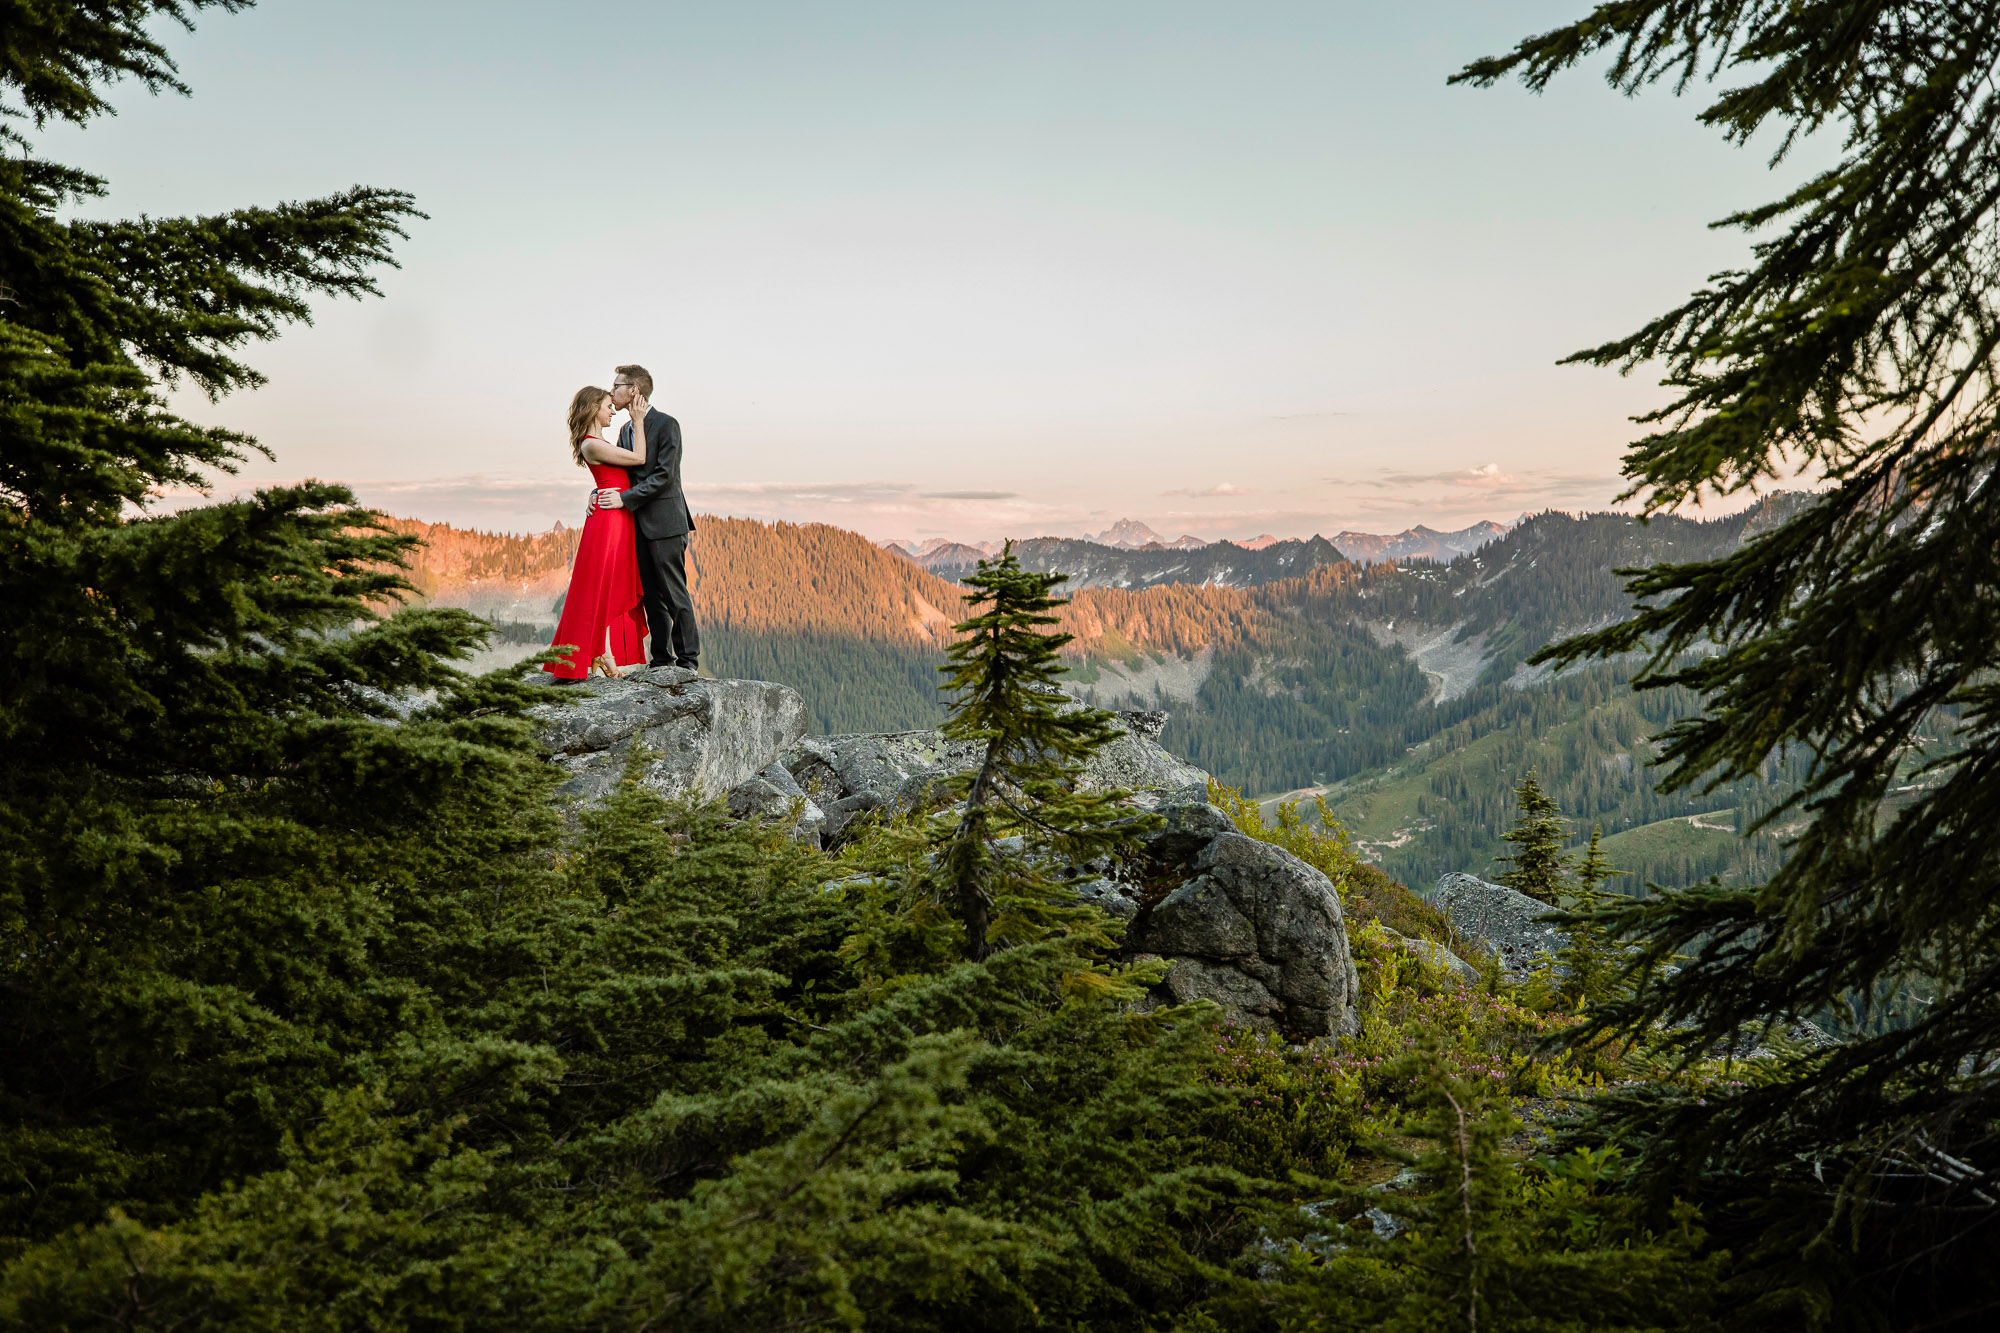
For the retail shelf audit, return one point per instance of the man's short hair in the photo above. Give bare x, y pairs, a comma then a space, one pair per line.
641, 381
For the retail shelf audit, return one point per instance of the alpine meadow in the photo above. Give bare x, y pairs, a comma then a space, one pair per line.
1593, 928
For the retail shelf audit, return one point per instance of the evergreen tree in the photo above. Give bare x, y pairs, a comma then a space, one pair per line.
1473, 1239
1589, 963
205, 822
1858, 342
1489, 1247
1539, 864
1002, 675
1594, 870
658, 1095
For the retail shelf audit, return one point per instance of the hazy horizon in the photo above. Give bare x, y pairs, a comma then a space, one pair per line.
942, 273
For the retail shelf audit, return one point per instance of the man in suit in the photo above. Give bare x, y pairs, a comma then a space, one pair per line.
661, 523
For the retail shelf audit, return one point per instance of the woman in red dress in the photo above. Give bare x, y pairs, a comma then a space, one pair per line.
604, 598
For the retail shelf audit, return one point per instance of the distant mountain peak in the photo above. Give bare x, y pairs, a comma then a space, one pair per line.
1128, 534
1259, 542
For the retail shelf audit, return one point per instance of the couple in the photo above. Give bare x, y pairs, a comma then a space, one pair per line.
633, 553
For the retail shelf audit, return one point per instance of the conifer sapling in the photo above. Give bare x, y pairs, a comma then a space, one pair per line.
1539, 865
1003, 675
1589, 960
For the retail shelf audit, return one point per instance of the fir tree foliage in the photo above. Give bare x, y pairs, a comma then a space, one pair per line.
1002, 676
1540, 868
1859, 340
1495, 1244
1471, 1237
1594, 870
204, 822
1590, 962
654, 1091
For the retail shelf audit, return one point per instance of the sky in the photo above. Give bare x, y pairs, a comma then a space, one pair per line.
951, 270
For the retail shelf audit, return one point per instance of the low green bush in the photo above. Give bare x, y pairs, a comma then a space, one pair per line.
1298, 1109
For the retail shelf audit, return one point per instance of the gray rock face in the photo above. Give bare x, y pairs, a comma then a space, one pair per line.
1252, 928
707, 736
1508, 921
772, 795
846, 775
1116, 899
1136, 762
835, 768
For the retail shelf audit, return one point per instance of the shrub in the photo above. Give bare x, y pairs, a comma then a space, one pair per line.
1325, 848
1298, 1108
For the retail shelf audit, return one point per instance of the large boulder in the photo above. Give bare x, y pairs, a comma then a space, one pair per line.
1249, 926
1509, 922
706, 737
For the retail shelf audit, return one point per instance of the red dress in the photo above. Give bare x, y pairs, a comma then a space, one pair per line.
604, 597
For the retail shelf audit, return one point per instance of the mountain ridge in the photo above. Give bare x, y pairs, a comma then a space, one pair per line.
1093, 562
1396, 688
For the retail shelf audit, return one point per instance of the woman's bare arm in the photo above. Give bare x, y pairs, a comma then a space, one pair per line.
598, 451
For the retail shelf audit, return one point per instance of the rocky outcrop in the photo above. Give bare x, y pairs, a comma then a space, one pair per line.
705, 737
1240, 922
845, 776
1137, 762
1248, 926
774, 794
1505, 920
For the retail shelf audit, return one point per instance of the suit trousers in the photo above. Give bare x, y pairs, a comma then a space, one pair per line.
669, 609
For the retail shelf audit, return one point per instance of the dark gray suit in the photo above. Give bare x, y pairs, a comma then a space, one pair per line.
661, 525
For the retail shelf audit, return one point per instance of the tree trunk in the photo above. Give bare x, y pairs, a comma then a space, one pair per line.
968, 857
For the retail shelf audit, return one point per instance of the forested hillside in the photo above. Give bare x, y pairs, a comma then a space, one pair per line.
1426, 788
854, 628
857, 630
1554, 574
1587, 735
500, 575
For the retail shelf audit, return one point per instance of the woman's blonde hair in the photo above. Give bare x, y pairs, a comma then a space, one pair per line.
582, 416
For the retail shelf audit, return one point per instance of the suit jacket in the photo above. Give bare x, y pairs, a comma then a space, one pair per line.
658, 507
